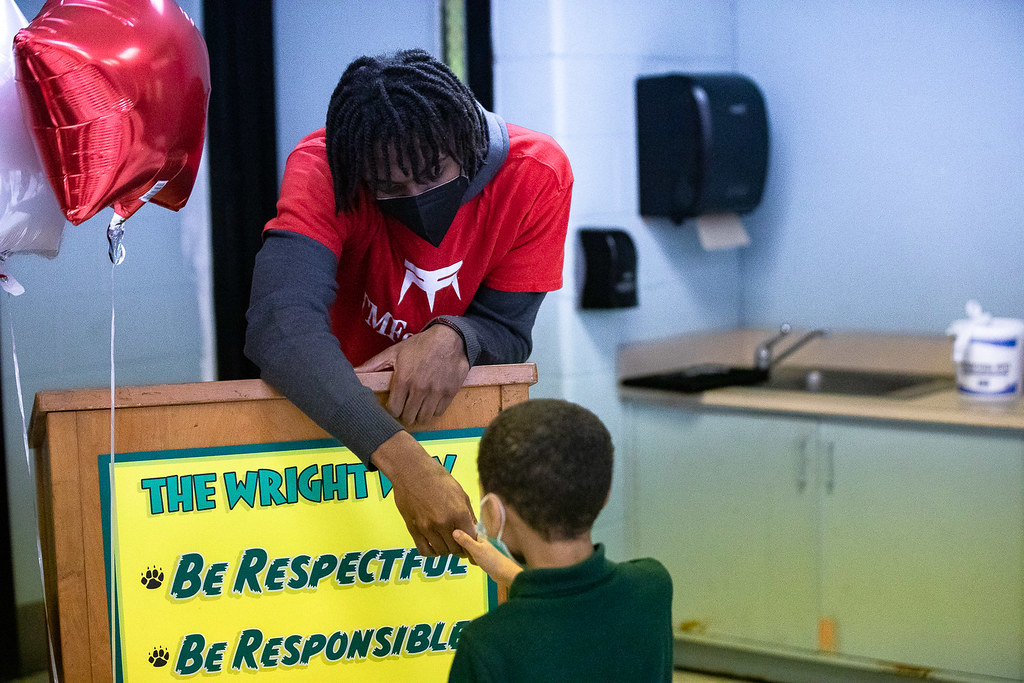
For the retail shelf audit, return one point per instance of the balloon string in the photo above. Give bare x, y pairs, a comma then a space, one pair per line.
113, 493
35, 487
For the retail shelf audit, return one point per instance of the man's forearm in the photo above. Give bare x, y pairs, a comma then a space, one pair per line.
289, 338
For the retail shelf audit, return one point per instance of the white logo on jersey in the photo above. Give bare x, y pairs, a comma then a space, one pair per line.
431, 281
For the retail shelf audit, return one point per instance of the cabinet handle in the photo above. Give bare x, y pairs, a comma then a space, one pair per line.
830, 467
801, 463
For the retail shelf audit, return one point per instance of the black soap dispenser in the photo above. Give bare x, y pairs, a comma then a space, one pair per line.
608, 268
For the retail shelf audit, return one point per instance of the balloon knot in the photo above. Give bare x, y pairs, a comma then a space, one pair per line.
115, 233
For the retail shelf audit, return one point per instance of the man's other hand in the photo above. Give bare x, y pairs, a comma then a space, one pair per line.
429, 369
429, 499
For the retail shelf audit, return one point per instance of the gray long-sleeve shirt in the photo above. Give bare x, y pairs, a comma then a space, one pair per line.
289, 337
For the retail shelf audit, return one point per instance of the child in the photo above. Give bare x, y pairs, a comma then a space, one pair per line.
545, 471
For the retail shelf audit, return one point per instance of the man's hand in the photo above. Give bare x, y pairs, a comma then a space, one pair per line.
500, 568
429, 499
429, 369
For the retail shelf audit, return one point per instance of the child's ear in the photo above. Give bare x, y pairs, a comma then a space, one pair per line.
492, 500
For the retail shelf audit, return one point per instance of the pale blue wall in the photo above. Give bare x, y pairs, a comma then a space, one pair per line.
314, 40
568, 69
896, 181
896, 188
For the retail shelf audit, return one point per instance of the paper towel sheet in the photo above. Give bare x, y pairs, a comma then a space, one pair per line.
721, 231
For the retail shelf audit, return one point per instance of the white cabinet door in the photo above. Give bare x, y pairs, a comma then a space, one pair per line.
923, 544
728, 504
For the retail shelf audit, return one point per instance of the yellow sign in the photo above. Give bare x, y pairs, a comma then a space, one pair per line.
287, 561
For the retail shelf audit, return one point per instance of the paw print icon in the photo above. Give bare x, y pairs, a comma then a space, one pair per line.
153, 577
159, 657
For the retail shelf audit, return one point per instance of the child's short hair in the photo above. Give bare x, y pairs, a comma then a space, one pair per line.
551, 460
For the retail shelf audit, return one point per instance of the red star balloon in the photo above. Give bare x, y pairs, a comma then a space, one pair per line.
115, 92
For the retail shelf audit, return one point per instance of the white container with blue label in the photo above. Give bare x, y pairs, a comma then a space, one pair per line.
989, 355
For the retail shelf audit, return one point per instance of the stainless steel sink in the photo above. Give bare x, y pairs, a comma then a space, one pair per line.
768, 373
841, 381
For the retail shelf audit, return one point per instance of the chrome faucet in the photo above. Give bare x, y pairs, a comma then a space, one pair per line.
763, 357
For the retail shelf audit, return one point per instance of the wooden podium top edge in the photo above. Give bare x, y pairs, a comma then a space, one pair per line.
64, 400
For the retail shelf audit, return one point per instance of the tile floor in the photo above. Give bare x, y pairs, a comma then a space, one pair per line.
679, 676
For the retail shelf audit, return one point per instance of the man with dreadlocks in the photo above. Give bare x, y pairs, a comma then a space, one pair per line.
416, 232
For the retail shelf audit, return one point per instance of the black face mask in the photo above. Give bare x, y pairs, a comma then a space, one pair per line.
428, 214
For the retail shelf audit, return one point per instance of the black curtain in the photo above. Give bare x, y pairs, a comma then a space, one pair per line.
243, 162
479, 52
10, 662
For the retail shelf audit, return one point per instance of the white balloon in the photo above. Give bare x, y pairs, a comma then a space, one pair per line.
31, 219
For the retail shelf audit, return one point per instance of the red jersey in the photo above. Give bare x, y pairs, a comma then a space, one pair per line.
391, 283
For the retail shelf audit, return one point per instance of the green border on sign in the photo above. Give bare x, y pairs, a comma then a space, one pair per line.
103, 461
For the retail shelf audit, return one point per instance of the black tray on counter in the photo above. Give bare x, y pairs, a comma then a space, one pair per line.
698, 378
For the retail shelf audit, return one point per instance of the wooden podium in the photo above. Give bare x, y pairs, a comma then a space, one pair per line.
69, 429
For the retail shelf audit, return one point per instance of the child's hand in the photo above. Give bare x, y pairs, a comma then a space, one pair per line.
488, 558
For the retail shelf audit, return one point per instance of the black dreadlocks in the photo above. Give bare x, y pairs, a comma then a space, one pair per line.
408, 101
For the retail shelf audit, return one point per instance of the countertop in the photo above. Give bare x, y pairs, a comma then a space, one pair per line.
848, 350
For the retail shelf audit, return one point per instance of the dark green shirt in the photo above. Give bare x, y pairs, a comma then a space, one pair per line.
594, 621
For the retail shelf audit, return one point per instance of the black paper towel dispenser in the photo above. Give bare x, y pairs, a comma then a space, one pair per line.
702, 144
